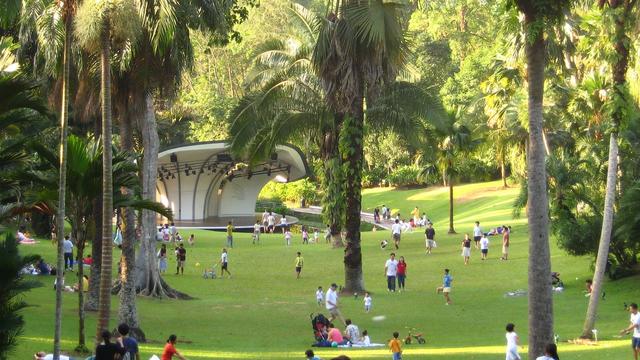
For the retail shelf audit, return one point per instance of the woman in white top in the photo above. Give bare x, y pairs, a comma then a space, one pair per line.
512, 343
550, 353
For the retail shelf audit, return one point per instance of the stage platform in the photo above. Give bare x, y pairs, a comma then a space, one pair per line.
240, 223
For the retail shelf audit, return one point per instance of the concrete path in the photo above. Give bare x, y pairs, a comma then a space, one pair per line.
364, 216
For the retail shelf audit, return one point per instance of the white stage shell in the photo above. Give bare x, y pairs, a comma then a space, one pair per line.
201, 181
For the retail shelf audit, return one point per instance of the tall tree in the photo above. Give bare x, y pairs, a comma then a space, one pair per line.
62, 184
361, 46
624, 17
536, 14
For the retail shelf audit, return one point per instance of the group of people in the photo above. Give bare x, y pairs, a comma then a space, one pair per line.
481, 240
170, 234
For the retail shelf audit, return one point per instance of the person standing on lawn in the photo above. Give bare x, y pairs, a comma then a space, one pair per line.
256, 233
505, 243
477, 233
331, 303
634, 326
484, 247
230, 234
396, 346
466, 248
130, 344
396, 230
181, 256
402, 273
446, 286
430, 235
299, 264
391, 271
67, 246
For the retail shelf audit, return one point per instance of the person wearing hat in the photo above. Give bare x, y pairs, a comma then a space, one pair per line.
331, 303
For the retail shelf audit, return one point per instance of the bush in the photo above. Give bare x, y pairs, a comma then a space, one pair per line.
405, 176
373, 177
292, 192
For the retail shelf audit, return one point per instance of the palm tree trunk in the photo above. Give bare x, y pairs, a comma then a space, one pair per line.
451, 229
104, 307
91, 302
62, 185
503, 174
352, 155
80, 236
128, 313
619, 69
332, 201
148, 279
539, 294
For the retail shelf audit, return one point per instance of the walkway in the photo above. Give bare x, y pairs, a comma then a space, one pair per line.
364, 216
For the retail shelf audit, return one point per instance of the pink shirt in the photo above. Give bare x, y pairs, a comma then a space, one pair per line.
335, 335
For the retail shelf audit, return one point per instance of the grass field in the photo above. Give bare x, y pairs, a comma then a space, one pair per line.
263, 311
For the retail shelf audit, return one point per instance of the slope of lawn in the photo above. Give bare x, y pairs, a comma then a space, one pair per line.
263, 311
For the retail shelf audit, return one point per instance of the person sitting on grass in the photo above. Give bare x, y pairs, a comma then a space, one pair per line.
170, 349
335, 335
41, 355
352, 332
107, 350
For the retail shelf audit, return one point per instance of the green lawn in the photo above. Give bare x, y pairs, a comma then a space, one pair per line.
263, 311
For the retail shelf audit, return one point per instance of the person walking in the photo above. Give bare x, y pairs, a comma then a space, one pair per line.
505, 242
299, 264
634, 326
402, 273
396, 347
181, 257
512, 343
477, 233
256, 233
445, 289
224, 263
173, 230
331, 303
430, 236
265, 221
396, 230
390, 271
466, 248
67, 247
230, 234
170, 349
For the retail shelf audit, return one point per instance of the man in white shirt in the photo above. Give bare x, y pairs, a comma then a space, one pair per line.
67, 246
265, 220
331, 303
271, 222
391, 270
477, 233
634, 326
173, 232
396, 230
484, 247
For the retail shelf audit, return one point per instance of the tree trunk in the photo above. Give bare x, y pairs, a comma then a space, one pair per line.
91, 302
352, 155
128, 313
80, 236
104, 307
619, 69
605, 239
333, 201
503, 174
451, 229
148, 280
539, 294
62, 184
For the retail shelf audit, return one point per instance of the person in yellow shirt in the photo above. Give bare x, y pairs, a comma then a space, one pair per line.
416, 216
394, 346
299, 264
230, 234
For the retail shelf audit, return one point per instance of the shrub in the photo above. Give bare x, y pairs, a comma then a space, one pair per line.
405, 176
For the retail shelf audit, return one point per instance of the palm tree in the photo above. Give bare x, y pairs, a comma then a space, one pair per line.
361, 46
624, 10
536, 14
285, 98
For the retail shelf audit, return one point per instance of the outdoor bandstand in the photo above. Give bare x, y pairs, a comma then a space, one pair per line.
206, 187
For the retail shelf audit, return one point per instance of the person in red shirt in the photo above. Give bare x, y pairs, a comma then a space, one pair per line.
401, 273
170, 349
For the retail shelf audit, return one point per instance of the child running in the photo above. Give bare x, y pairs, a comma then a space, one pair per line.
395, 347
367, 302
319, 296
512, 343
299, 264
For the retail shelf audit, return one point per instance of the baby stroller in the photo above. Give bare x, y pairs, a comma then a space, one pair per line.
319, 324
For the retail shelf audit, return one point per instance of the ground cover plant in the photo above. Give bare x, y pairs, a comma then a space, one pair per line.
262, 312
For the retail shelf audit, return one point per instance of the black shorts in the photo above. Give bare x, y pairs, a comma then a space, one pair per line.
477, 238
298, 268
224, 266
635, 343
485, 251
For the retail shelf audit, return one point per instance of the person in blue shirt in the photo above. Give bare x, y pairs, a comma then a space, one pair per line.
446, 286
130, 344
